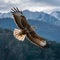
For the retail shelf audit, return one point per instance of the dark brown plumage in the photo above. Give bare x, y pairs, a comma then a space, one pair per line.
22, 24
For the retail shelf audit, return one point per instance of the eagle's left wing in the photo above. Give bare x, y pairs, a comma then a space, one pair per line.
18, 33
17, 17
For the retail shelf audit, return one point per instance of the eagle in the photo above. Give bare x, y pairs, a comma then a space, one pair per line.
25, 29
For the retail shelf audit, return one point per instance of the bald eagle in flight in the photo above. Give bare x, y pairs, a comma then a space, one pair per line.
25, 30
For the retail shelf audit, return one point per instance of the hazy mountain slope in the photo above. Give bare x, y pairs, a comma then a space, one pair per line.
44, 29
12, 49
48, 19
27, 13
7, 23
30, 14
56, 14
6, 15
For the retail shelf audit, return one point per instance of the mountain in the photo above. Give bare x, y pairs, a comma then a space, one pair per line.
7, 23
56, 14
27, 13
41, 16
48, 19
46, 30
30, 14
6, 15
12, 49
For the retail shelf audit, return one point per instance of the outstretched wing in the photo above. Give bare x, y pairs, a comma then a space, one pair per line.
23, 24
17, 17
20, 19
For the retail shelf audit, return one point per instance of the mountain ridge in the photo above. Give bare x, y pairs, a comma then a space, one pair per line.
35, 16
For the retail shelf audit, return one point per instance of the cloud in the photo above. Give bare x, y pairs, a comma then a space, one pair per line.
6, 5
48, 2
12, 1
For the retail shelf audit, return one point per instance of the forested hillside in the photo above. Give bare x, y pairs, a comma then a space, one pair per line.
12, 49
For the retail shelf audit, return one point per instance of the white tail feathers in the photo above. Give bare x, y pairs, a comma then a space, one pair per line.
17, 35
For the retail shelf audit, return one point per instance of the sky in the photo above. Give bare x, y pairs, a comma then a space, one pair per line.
32, 5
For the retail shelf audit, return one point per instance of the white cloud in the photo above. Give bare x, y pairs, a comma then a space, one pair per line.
33, 5
12, 1
47, 2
